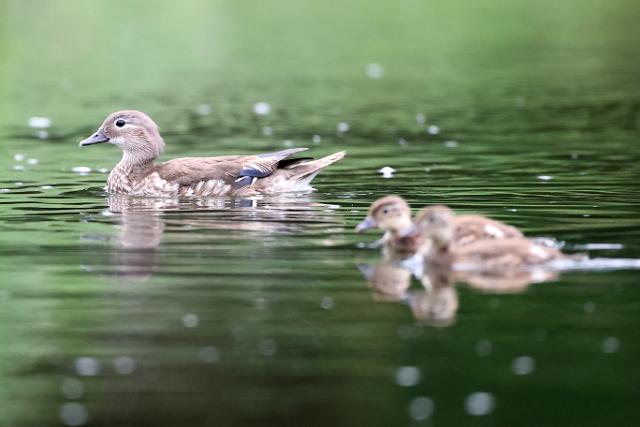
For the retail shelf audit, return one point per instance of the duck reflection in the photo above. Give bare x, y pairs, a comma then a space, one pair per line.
141, 223
436, 302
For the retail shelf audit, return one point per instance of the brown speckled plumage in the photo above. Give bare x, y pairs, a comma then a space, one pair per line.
137, 174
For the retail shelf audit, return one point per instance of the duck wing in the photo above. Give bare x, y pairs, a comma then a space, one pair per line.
234, 170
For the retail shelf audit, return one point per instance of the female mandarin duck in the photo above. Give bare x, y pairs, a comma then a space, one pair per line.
437, 224
392, 214
137, 174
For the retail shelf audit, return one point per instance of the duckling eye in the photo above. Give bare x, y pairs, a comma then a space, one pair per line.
119, 123
385, 211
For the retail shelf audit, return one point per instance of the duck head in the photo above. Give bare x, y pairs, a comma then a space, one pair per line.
436, 223
133, 131
390, 213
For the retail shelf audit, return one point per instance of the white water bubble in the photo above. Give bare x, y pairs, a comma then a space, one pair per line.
124, 365
523, 365
18, 167
82, 170
610, 345
40, 122
5, 190
87, 366
544, 177
451, 144
484, 348
42, 134
433, 130
73, 414
72, 388
267, 347
261, 108
402, 141
18, 157
287, 143
479, 403
407, 376
421, 118
387, 171
421, 408
327, 303
190, 320
46, 187
316, 139
18, 183
209, 354
103, 170
204, 109
374, 71
32, 161
343, 127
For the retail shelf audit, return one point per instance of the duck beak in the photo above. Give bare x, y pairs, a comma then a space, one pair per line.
98, 138
366, 224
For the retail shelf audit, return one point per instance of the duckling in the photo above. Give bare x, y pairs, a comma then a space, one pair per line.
437, 225
393, 215
137, 174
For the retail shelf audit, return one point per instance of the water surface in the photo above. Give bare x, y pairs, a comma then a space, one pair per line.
120, 311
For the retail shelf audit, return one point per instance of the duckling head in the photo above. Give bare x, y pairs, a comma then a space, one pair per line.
133, 131
436, 223
388, 213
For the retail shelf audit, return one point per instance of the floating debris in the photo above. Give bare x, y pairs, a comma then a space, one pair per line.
523, 365
72, 388
327, 303
421, 118
73, 414
209, 354
316, 139
124, 365
87, 366
433, 130
451, 144
484, 348
40, 122
343, 127
261, 108
18, 157
204, 109
421, 408
374, 71
387, 171
190, 320
610, 345
479, 403
407, 376
82, 170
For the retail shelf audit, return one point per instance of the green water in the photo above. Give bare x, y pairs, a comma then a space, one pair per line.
119, 312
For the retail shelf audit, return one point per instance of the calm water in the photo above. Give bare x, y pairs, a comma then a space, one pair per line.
134, 312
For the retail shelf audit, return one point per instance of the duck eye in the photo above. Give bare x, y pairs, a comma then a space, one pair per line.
385, 211
119, 123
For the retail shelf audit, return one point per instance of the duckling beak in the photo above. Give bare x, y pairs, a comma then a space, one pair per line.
97, 138
366, 224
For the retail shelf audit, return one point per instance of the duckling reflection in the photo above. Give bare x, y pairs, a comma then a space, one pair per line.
141, 223
437, 303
